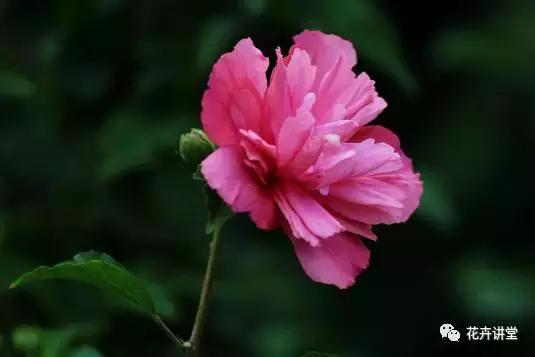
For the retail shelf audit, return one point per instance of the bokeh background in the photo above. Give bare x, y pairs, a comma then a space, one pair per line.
94, 95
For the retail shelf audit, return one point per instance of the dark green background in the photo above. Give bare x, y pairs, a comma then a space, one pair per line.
94, 95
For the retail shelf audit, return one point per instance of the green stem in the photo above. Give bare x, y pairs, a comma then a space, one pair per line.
191, 347
176, 340
200, 319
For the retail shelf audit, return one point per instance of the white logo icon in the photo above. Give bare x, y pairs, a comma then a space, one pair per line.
454, 335
447, 330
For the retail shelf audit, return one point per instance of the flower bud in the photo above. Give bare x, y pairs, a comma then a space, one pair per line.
194, 147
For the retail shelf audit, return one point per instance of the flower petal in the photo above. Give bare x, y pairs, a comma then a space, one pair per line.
235, 93
300, 76
226, 172
277, 105
379, 133
365, 214
386, 198
259, 155
345, 129
336, 261
369, 191
307, 218
414, 190
335, 83
289, 89
337, 87
294, 133
374, 158
358, 228
411, 181
323, 50
365, 105
333, 165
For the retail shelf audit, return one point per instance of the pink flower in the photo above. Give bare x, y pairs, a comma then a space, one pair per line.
298, 153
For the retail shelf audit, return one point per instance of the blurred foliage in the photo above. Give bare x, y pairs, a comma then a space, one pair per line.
374, 36
496, 290
36, 342
95, 94
14, 85
127, 142
489, 50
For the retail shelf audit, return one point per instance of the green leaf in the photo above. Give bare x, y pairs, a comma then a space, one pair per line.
97, 269
92, 255
218, 211
163, 305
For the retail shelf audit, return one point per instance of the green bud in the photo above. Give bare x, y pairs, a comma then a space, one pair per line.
195, 147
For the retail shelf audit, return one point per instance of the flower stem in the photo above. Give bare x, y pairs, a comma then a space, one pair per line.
200, 318
191, 347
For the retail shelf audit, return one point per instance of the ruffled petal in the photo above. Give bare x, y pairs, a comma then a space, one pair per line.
335, 89
405, 177
290, 83
342, 161
358, 228
365, 104
333, 165
293, 135
414, 189
323, 50
336, 261
376, 184
226, 172
379, 133
259, 155
308, 220
340, 94
369, 191
374, 158
234, 98
344, 129
300, 75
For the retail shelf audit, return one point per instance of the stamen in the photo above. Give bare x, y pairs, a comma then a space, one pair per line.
333, 139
